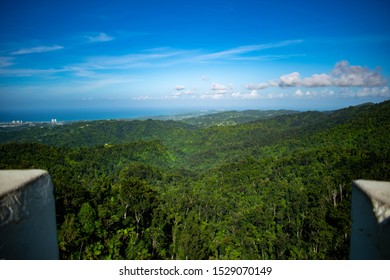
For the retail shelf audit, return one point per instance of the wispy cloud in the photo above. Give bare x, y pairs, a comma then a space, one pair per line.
6, 72
99, 37
39, 49
5, 61
157, 57
103, 82
352, 40
237, 52
267, 57
164, 57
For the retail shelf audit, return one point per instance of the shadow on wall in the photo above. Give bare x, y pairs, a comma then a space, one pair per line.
27, 216
370, 238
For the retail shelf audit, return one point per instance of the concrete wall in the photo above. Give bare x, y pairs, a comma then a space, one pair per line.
370, 238
27, 215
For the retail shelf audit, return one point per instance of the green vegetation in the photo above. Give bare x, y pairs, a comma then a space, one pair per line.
232, 117
252, 188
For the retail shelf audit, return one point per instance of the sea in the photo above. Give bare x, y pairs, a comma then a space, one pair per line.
64, 115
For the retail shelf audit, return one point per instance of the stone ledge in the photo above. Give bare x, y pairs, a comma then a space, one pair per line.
379, 194
12, 180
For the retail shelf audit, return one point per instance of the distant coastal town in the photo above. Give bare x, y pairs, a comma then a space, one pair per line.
17, 123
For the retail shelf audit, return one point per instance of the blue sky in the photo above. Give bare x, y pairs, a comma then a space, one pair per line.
193, 54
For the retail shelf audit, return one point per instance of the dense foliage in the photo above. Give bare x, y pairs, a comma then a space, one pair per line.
271, 188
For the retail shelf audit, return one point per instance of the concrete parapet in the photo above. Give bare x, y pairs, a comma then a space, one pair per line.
27, 215
370, 238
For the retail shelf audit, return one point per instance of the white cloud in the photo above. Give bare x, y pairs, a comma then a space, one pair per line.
142, 97
308, 93
100, 37
299, 93
290, 80
216, 86
221, 89
273, 83
252, 95
342, 75
217, 96
217, 91
260, 86
39, 49
345, 75
317, 80
373, 92
182, 93
311, 93
275, 95
294, 80
179, 87
257, 86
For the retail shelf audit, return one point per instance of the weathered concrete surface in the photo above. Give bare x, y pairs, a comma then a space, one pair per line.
27, 215
370, 238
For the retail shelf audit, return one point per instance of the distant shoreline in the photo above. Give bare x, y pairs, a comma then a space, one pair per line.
99, 114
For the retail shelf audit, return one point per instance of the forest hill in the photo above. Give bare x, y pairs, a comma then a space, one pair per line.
261, 188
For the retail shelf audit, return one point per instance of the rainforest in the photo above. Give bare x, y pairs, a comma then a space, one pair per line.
228, 185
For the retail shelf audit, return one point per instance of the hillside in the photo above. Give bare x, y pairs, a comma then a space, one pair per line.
233, 117
231, 185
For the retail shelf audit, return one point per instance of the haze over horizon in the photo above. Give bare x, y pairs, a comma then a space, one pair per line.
115, 55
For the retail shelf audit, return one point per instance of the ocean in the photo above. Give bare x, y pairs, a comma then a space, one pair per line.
85, 114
